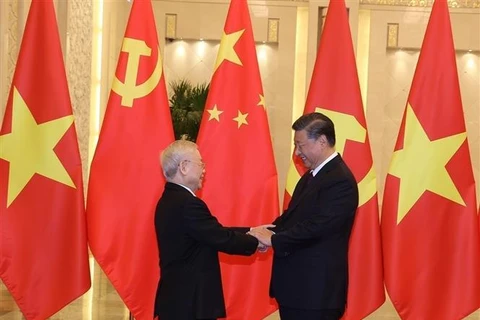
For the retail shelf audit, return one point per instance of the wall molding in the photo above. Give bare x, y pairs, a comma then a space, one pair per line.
423, 3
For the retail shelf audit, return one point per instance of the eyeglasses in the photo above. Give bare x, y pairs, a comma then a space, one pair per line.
201, 163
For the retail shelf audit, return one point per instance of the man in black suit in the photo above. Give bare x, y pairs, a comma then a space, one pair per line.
310, 240
189, 239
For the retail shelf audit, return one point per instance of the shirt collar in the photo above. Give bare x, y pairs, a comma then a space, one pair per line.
321, 165
189, 190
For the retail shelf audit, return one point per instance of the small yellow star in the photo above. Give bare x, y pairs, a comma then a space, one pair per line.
226, 50
262, 102
214, 113
420, 165
241, 119
29, 148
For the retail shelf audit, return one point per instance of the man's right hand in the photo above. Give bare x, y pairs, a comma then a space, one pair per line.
261, 247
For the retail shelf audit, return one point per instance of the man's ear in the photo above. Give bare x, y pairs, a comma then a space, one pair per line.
182, 168
323, 139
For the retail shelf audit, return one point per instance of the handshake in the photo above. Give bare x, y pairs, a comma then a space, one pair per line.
263, 235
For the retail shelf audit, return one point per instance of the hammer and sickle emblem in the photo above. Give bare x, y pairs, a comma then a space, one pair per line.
129, 89
351, 129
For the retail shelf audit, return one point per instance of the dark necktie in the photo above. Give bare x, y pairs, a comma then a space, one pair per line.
308, 180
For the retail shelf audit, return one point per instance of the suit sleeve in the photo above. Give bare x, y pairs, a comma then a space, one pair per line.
205, 228
329, 216
239, 229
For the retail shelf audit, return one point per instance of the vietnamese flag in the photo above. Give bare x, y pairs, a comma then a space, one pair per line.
43, 240
430, 230
126, 179
241, 185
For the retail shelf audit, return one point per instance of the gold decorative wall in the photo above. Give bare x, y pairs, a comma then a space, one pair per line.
170, 26
11, 44
78, 61
424, 3
273, 28
392, 35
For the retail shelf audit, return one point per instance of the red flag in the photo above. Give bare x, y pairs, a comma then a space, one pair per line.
429, 228
43, 241
126, 180
335, 92
241, 180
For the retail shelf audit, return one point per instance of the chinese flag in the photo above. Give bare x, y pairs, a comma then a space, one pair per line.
241, 186
429, 223
126, 180
43, 240
335, 92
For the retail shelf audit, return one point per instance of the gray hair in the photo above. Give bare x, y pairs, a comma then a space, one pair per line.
172, 155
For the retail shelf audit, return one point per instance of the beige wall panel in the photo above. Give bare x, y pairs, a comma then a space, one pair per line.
413, 23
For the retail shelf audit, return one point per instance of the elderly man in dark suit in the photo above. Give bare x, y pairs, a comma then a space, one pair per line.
310, 240
189, 239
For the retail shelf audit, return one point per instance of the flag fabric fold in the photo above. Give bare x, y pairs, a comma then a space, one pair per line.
43, 237
335, 91
126, 179
241, 185
429, 224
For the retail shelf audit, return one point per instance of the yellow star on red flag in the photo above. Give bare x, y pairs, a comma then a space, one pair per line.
29, 148
241, 118
420, 165
214, 113
262, 102
226, 51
